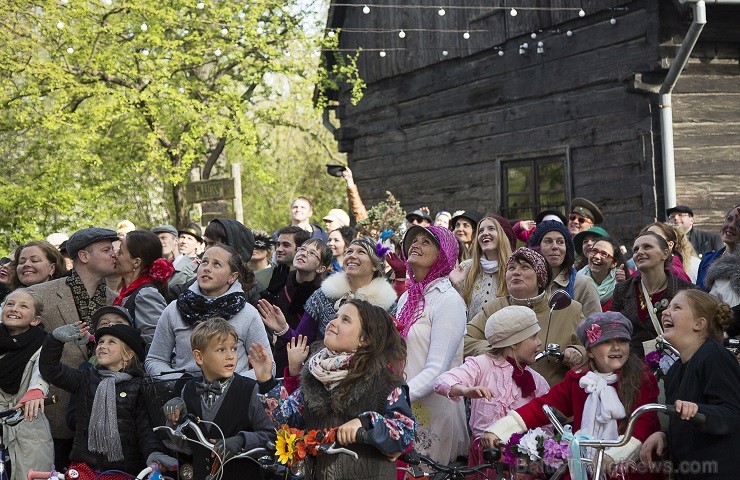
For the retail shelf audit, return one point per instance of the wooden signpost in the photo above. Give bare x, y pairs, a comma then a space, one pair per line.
219, 197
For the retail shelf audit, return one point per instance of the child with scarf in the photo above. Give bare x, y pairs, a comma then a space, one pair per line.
598, 395
114, 431
354, 382
499, 380
219, 397
21, 336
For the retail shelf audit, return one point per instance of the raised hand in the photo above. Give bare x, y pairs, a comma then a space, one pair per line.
272, 316
74, 332
261, 362
457, 277
297, 354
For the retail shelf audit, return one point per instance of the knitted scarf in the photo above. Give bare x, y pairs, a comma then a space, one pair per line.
16, 351
602, 408
195, 308
488, 266
606, 288
104, 437
329, 367
86, 306
442, 266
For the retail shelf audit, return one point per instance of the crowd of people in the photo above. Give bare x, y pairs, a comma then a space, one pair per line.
316, 327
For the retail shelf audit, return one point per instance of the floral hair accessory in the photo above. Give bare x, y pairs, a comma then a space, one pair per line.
593, 333
161, 270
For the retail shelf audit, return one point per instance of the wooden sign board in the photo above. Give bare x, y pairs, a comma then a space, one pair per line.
213, 189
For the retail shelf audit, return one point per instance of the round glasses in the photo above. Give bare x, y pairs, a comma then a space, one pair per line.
600, 253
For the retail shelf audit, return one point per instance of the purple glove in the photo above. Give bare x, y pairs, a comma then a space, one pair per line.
398, 265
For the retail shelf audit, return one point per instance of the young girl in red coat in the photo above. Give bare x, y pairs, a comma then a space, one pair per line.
599, 395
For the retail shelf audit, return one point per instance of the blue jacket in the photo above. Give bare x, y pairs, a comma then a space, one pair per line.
706, 261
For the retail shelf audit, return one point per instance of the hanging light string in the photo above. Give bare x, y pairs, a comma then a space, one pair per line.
395, 30
457, 7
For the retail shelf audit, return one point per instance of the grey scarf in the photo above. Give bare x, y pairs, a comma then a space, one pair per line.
104, 437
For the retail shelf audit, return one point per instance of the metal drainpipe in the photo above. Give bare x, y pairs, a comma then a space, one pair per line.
666, 109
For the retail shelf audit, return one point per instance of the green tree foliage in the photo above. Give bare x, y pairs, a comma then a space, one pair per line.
107, 105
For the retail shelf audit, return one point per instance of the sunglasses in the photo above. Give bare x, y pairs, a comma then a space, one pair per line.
600, 253
578, 218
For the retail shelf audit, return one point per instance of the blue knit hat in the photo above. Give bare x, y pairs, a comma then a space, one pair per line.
551, 226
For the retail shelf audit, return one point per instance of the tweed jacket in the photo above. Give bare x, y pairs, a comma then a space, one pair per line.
626, 301
60, 309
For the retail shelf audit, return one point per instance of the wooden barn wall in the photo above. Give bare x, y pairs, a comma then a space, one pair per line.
706, 114
436, 136
428, 34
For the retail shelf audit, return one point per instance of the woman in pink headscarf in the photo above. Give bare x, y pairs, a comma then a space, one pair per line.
432, 320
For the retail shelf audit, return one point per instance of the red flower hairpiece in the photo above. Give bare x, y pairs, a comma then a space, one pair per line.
161, 270
593, 333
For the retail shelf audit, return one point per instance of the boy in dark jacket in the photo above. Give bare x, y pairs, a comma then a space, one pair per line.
219, 397
114, 431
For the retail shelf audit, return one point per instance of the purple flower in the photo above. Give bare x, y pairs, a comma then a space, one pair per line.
555, 453
652, 359
510, 456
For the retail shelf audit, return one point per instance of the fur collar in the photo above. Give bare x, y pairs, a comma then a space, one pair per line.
725, 267
378, 292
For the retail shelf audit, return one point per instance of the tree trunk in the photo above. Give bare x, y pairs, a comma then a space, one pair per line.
181, 212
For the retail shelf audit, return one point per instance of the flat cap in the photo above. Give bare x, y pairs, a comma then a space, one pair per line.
679, 209
87, 236
166, 228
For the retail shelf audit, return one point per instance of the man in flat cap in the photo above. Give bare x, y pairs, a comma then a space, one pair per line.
185, 267
584, 214
682, 217
71, 299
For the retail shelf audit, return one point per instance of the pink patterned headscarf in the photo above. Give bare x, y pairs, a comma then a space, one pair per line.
449, 248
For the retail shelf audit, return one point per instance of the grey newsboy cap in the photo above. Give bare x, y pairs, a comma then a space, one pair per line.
166, 229
87, 236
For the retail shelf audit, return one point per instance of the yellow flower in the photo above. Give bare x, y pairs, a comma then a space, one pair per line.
285, 446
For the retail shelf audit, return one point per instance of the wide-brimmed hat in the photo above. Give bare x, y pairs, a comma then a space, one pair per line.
116, 310
192, 229
473, 215
595, 231
511, 325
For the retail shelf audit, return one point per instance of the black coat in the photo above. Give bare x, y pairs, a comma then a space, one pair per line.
711, 379
138, 440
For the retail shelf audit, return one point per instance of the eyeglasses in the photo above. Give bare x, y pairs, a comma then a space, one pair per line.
600, 253
674, 216
578, 218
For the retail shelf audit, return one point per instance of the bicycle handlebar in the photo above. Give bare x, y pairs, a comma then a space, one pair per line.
491, 456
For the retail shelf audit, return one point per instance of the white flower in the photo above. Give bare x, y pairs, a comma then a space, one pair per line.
528, 443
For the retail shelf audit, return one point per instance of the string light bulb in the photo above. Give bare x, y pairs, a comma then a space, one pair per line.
581, 13
441, 12
445, 53
401, 34
382, 54
217, 52
70, 50
365, 9
523, 48
466, 35
540, 47
331, 34
513, 12
145, 52
224, 31
569, 33
144, 27
107, 2
64, 2
613, 21
200, 5
500, 53
60, 25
